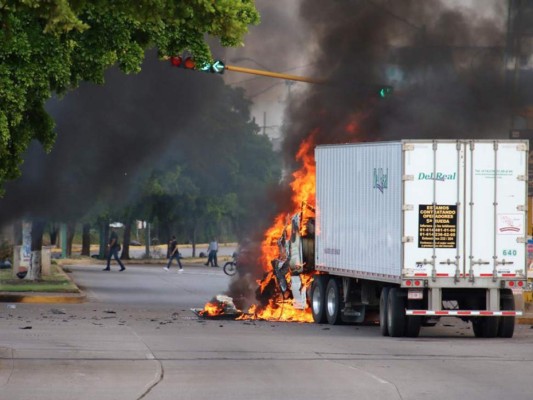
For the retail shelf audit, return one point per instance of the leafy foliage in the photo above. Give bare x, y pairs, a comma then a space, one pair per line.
216, 180
51, 46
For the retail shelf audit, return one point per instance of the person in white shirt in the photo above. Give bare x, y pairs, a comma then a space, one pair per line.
212, 253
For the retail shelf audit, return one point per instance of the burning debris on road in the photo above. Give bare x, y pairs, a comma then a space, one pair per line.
221, 307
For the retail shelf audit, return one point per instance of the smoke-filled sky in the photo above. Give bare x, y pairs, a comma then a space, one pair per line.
106, 136
444, 58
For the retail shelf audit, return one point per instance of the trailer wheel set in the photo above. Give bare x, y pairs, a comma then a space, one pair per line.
328, 304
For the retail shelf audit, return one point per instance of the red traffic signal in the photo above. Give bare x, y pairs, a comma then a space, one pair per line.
189, 63
176, 61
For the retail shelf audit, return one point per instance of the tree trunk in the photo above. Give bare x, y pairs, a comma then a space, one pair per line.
165, 237
54, 233
147, 240
86, 240
71, 229
125, 255
194, 241
104, 238
17, 232
37, 230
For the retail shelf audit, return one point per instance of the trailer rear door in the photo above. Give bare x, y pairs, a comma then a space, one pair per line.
464, 209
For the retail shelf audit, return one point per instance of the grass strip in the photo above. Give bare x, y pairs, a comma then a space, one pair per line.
56, 282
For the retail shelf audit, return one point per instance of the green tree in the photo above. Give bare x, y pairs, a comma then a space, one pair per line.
49, 47
216, 180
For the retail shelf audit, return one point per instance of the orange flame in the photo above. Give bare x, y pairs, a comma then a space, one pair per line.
303, 200
212, 309
303, 186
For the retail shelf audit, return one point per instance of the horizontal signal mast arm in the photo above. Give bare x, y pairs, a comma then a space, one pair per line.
274, 74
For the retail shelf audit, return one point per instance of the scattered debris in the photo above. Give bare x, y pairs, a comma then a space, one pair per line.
221, 307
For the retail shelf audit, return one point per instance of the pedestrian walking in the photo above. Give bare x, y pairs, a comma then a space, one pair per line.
212, 251
173, 253
112, 251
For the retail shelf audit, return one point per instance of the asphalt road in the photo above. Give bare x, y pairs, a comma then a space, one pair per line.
136, 338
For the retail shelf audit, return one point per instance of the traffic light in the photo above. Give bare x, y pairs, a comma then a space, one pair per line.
217, 67
176, 61
385, 91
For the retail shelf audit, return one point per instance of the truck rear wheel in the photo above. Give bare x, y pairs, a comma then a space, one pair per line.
491, 327
396, 312
412, 323
318, 296
333, 302
506, 327
383, 298
485, 327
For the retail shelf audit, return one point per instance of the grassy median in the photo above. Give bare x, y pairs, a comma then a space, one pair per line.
56, 282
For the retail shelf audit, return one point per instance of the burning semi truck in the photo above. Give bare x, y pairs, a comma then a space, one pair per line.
414, 230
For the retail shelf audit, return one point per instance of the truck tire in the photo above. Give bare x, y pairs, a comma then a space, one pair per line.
396, 312
491, 327
333, 302
506, 327
383, 311
485, 327
412, 323
477, 326
318, 296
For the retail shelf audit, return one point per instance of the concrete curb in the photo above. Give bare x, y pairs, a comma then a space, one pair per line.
35, 297
45, 298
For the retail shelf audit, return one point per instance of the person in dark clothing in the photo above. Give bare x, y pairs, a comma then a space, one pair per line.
113, 248
173, 253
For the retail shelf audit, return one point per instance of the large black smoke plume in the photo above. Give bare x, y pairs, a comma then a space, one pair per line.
446, 66
105, 133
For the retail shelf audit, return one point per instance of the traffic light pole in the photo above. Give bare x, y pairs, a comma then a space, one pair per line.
273, 74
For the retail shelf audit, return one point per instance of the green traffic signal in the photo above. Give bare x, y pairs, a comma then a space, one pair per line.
385, 91
218, 67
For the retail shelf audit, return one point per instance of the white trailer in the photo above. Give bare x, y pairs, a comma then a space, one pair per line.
421, 229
